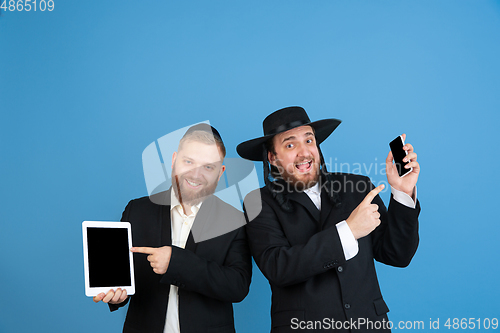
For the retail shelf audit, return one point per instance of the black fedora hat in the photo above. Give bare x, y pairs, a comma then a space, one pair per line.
281, 121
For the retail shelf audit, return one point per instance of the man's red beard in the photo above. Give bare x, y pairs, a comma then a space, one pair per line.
306, 180
187, 195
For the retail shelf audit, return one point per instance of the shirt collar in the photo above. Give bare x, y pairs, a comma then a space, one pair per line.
174, 202
313, 190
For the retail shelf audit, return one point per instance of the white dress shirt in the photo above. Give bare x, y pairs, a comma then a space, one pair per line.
181, 226
349, 243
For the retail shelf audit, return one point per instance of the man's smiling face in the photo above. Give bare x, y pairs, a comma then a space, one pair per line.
297, 157
196, 170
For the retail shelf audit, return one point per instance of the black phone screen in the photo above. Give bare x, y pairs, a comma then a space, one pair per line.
399, 153
108, 257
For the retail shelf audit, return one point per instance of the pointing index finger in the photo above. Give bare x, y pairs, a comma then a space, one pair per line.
145, 250
373, 193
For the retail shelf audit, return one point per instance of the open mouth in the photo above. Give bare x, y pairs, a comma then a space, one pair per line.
192, 184
304, 166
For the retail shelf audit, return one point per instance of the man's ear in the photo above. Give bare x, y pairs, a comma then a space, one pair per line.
174, 155
272, 158
222, 169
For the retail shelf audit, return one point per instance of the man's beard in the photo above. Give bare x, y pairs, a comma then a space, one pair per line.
187, 195
300, 184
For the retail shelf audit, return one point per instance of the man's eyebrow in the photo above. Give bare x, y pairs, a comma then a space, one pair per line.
292, 137
213, 163
288, 138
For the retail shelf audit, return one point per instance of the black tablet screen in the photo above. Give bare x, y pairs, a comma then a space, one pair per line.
108, 255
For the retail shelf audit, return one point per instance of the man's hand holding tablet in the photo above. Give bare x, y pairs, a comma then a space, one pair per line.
113, 297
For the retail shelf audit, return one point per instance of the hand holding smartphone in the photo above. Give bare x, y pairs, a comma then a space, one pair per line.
399, 153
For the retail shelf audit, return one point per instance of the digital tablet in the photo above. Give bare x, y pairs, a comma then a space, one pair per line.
108, 261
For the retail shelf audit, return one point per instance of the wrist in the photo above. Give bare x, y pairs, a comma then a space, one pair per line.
411, 193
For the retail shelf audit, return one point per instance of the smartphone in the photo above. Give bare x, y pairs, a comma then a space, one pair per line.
399, 153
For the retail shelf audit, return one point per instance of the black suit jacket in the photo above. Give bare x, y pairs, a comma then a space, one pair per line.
211, 275
301, 255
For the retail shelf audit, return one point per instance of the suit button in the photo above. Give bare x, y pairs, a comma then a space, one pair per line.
347, 305
335, 262
340, 269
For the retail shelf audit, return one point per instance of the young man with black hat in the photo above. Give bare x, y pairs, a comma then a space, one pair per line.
187, 277
318, 233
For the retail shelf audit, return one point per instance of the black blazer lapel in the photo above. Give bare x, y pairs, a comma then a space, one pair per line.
191, 245
326, 208
332, 213
303, 199
201, 224
166, 226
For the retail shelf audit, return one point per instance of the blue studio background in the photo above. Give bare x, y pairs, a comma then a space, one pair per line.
86, 87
